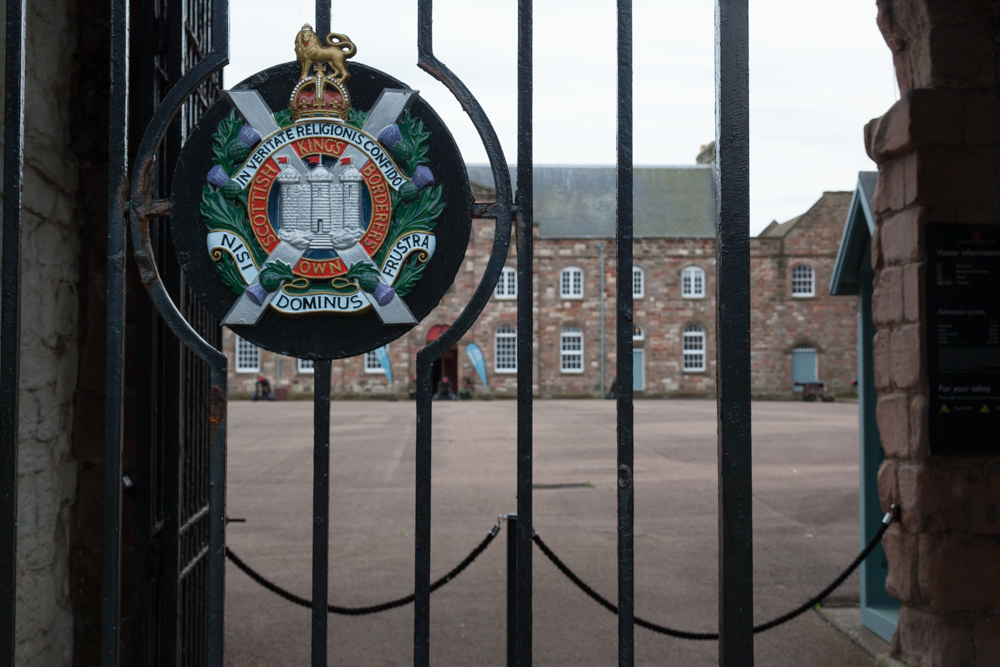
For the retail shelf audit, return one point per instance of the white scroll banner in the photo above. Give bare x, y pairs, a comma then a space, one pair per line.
366, 143
321, 302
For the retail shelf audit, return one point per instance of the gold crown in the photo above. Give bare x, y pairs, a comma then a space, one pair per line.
321, 90
320, 95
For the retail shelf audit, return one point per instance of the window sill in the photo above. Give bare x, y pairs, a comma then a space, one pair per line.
505, 371
693, 298
248, 370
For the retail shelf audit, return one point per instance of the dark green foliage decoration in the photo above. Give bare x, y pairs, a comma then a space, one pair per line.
408, 276
283, 118
413, 132
230, 275
356, 118
273, 273
366, 275
419, 215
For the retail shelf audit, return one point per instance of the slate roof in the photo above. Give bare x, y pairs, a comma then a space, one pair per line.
579, 201
830, 204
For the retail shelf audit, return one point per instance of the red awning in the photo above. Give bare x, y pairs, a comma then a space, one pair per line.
435, 332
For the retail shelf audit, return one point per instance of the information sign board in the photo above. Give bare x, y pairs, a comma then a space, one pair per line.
963, 338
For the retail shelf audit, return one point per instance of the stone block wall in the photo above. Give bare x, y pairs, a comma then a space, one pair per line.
938, 151
781, 321
50, 266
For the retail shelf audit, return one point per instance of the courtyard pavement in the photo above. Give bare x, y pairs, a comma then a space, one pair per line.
805, 514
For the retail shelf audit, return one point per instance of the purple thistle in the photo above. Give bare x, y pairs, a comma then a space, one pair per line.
383, 294
422, 177
248, 135
217, 176
390, 136
257, 293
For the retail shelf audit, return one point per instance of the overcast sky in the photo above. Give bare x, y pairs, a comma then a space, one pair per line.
818, 72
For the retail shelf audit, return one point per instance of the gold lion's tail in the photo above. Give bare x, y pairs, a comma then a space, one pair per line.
342, 42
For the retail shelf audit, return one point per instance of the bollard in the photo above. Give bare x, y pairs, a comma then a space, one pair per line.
511, 590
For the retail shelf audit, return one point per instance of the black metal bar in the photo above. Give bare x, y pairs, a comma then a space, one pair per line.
422, 533
732, 121
115, 348
218, 366
525, 328
623, 282
10, 316
323, 17
427, 356
511, 590
321, 510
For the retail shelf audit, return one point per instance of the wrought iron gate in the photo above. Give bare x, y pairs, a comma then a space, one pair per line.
182, 502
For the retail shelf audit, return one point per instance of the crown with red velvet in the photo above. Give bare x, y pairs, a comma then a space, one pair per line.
320, 95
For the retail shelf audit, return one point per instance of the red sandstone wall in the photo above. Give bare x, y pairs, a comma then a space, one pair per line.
779, 322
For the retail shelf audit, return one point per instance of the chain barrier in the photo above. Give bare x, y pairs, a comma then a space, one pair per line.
363, 611
702, 636
562, 567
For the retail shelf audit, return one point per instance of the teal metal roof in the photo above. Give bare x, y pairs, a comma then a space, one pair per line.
579, 201
858, 229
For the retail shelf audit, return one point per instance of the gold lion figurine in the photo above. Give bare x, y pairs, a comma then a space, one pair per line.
309, 50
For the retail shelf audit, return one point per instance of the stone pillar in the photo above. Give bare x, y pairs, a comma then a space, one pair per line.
939, 161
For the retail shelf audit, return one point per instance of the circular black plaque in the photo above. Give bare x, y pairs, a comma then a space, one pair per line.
320, 336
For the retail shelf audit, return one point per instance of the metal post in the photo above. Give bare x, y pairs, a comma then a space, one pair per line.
603, 350
511, 590
321, 510
422, 511
525, 328
115, 360
626, 498
323, 17
10, 321
732, 120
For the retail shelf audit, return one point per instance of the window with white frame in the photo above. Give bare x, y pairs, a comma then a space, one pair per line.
306, 366
694, 349
247, 356
505, 350
693, 282
638, 283
571, 283
803, 281
638, 333
507, 285
372, 364
571, 350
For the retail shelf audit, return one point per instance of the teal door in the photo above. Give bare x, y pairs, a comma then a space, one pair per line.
638, 366
803, 366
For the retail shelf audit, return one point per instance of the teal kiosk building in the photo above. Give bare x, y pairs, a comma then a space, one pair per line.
853, 275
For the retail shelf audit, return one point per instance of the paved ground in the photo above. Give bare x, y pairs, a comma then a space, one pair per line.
805, 529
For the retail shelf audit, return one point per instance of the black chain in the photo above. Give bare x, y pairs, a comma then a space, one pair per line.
682, 634
362, 611
562, 567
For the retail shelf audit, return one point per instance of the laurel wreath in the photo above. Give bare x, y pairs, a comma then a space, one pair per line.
222, 213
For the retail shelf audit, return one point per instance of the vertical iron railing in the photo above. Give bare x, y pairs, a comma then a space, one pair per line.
205, 568
623, 284
525, 329
427, 356
115, 343
10, 320
512, 552
321, 509
732, 122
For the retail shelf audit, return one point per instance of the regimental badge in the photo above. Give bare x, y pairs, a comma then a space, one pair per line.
329, 203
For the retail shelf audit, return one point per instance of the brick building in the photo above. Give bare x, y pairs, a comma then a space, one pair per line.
799, 331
